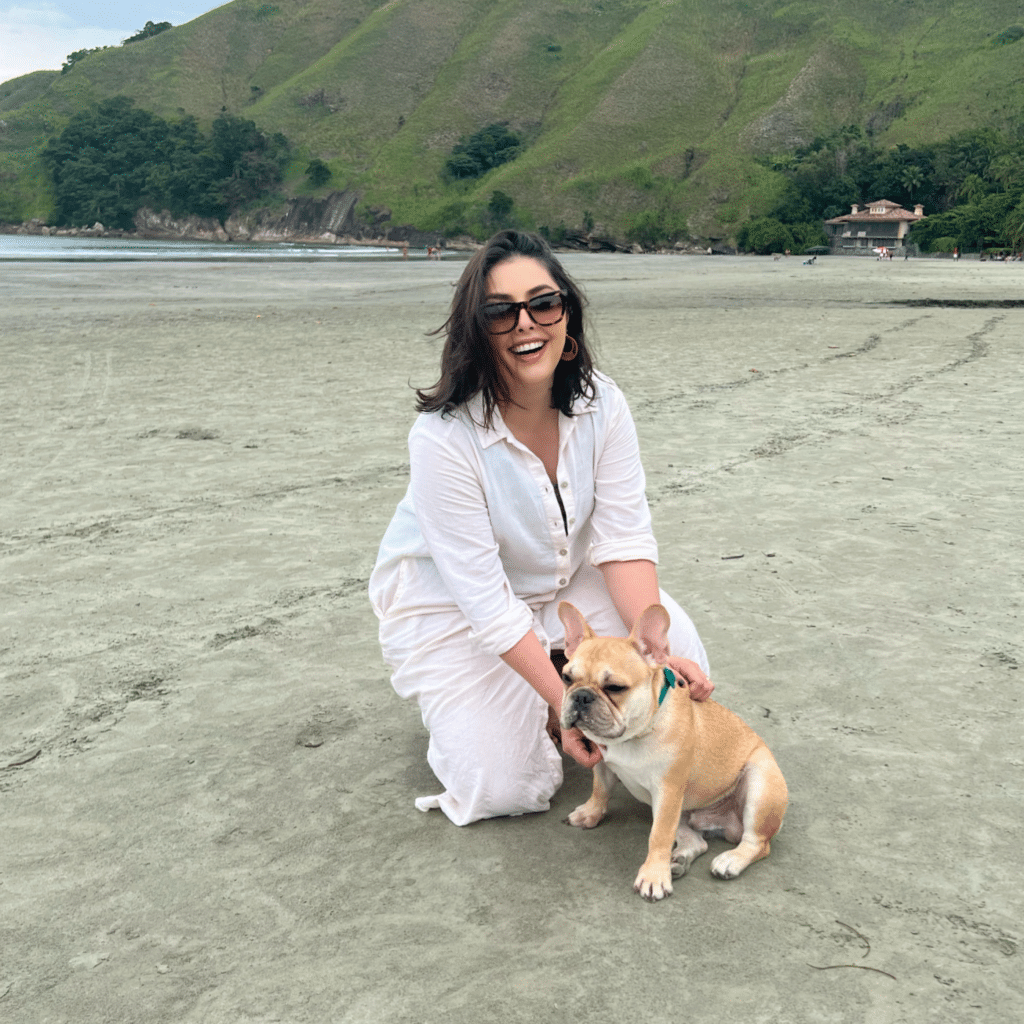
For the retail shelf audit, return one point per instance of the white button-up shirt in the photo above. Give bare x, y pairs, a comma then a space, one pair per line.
480, 528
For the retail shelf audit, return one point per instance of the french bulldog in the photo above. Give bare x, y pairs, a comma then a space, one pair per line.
700, 767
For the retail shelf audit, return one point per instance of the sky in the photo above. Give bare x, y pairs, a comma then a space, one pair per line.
39, 34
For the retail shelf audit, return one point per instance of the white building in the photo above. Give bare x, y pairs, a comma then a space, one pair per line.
879, 224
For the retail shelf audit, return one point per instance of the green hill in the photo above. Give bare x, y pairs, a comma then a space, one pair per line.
628, 110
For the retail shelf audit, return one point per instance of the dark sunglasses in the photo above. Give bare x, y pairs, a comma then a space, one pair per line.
544, 310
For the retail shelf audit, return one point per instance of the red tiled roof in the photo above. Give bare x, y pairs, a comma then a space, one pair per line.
893, 212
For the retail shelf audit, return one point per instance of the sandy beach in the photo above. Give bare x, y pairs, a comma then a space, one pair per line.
207, 783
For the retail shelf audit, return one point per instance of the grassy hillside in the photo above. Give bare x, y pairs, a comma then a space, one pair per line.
629, 109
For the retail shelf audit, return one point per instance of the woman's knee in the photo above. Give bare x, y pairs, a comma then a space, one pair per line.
488, 784
489, 748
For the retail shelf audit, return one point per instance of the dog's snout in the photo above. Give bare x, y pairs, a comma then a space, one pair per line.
583, 698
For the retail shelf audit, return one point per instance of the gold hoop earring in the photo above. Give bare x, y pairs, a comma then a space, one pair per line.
570, 355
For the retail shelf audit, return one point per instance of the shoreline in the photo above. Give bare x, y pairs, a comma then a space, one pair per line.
39, 229
584, 244
457, 246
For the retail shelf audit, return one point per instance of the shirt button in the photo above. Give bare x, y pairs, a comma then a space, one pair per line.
572, 522
564, 552
565, 485
561, 583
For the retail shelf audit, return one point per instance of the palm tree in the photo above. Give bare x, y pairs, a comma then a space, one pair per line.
1013, 227
1007, 169
912, 177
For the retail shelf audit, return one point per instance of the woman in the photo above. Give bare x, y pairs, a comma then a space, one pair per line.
525, 490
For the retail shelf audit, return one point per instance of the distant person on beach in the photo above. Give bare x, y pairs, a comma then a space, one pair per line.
956, 252
526, 489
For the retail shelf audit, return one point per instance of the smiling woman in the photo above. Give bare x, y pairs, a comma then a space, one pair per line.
525, 489
479, 317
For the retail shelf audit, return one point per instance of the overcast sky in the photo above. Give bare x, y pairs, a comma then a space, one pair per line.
39, 34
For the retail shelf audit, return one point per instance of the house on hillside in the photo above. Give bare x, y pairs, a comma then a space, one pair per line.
878, 224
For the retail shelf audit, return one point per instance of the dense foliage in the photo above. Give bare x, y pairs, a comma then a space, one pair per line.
971, 185
115, 158
487, 148
768, 234
1009, 35
500, 208
318, 173
147, 30
76, 55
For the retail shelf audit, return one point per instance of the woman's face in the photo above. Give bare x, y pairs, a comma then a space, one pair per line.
528, 354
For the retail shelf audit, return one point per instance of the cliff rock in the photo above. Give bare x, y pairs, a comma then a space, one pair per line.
302, 220
150, 224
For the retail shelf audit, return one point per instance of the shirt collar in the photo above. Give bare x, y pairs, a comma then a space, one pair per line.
498, 430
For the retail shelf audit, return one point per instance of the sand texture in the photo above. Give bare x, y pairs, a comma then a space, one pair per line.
206, 782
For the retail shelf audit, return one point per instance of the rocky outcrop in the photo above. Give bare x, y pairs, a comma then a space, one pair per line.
333, 219
36, 226
150, 224
302, 220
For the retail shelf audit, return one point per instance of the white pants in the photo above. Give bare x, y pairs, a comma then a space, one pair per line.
488, 745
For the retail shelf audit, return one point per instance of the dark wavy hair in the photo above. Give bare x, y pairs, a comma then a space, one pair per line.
468, 363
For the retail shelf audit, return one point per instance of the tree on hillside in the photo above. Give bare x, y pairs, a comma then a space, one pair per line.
900, 173
988, 221
912, 178
957, 180
250, 162
73, 58
149, 29
115, 158
488, 148
98, 162
1013, 227
765, 236
318, 173
1009, 36
500, 208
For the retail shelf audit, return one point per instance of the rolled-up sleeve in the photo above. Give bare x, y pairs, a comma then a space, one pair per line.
451, 509
621, 522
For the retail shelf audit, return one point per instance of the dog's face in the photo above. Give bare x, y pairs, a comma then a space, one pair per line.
610, 682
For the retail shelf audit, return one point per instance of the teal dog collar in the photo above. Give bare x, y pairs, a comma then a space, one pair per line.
670, 682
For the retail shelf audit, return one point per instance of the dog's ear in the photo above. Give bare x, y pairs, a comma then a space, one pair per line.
576, 628
650, 633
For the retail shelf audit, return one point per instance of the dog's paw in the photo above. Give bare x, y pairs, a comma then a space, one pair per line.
688, 847
728, 864
681, 861
586, 816
653, 883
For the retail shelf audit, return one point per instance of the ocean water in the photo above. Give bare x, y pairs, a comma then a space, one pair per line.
61, 249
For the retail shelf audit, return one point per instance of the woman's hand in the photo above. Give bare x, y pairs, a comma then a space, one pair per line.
700, 686
579, 748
